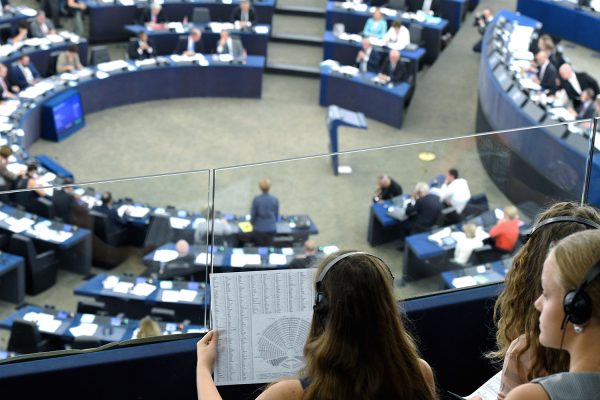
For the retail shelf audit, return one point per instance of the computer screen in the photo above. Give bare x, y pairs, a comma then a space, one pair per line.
62, 115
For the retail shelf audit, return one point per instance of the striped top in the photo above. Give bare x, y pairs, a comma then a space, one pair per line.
571, 385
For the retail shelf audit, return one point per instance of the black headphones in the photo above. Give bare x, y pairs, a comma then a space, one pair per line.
577, 304
321, 303
584, 221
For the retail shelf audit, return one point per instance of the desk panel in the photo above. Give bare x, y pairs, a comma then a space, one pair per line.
12, 278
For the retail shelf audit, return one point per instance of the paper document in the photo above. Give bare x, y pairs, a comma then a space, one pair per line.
490, 389
84, 330
143, 289
203, 259
239, 260
165, 255
263, 319
277, 259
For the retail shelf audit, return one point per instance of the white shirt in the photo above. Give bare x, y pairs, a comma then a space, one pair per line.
365, 61
575, 83
229, 44
427, 5
27, 73
543, 69
191, 45
399, 39
457, 193
464, 249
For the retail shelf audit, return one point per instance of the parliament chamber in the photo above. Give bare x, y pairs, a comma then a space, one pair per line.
137, 178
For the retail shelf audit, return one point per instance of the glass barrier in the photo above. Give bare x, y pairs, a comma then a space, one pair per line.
86, 263
102, 269
366, 203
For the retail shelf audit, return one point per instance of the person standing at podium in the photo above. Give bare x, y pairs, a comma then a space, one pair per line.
264, 214
375, 26
367, 59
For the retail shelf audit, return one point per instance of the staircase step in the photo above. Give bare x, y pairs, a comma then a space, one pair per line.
293, 38
298, 25
305, 11
294, 70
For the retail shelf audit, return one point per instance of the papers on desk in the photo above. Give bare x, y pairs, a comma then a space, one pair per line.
348, 70
87, 318
110, 282
122, 287
27, 11
277, 259
224, 58
43, 231
67, 76
16, 168
327, 250
217, 27
334, 65
18, 225
385, 11
179, 223
239, 260
6, 50
176, 26
145, 63
102, 75
348, 5
143, 289
464, 281
84, 330
287, 251
54, 38
37, 42
45, 322
261, 29
523, 56
9, 107
527, 83
165, 256
133, 211
185, 59
246, 226
176, 296
353, 37
37, 90
439, 236
203, 259
126, 2
562, 113
113, 66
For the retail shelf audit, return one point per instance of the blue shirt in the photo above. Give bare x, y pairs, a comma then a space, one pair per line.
264, 213
375, 28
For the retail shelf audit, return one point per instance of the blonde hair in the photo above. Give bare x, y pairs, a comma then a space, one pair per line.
470, 230
511, 212
575, 255
148, 328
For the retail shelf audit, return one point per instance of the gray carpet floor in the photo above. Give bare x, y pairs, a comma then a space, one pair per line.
197, 134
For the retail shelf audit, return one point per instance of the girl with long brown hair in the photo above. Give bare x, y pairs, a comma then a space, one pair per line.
357, 347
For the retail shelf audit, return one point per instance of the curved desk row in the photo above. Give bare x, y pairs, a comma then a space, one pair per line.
165, 41
107, 21
359, 93
538, 164
565, 20
354, 22
172, 81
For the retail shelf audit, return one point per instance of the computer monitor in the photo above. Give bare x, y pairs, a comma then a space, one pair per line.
517, 95
534, 111
62, 115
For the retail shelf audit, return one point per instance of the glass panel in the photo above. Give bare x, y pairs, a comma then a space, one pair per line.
528, 168
94, 265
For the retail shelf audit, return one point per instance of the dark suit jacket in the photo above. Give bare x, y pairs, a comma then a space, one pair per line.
132, 50
373, 62
398, 74
588, 112
424, 212
585, 81
114, 221
548, 81
64, 204
160, 18
236, 15
182, 46
18, 78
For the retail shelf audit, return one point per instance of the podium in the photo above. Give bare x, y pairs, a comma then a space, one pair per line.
337, 116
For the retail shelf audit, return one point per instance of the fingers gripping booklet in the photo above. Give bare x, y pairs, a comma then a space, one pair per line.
263, 319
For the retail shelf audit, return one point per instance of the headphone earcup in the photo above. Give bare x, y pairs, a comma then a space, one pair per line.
321, 303
577, 307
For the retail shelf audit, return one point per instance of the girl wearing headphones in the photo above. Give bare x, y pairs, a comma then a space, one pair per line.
518, 320
569, 309
357, 347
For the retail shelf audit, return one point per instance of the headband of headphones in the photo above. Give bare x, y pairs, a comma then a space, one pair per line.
584, 221
589, 278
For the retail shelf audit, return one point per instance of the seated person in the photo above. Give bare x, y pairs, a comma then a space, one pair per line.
142, 48
375, 26
154, 15
546, 75
191, 44
546, 44
455, 191
41, 26
221, 228
243, 15
180, 265
148, 328
24, 73
367, 59
569, 319
9, 178
22, 32
393, 70
398, 37
29, 181
64, 201
481, 22
466, 245
424, 209
229, 45
5, 6
115, 223
574, 83
506, 232
586, 109
387, 189
68, 61
7, 91
308, 259
427, 6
